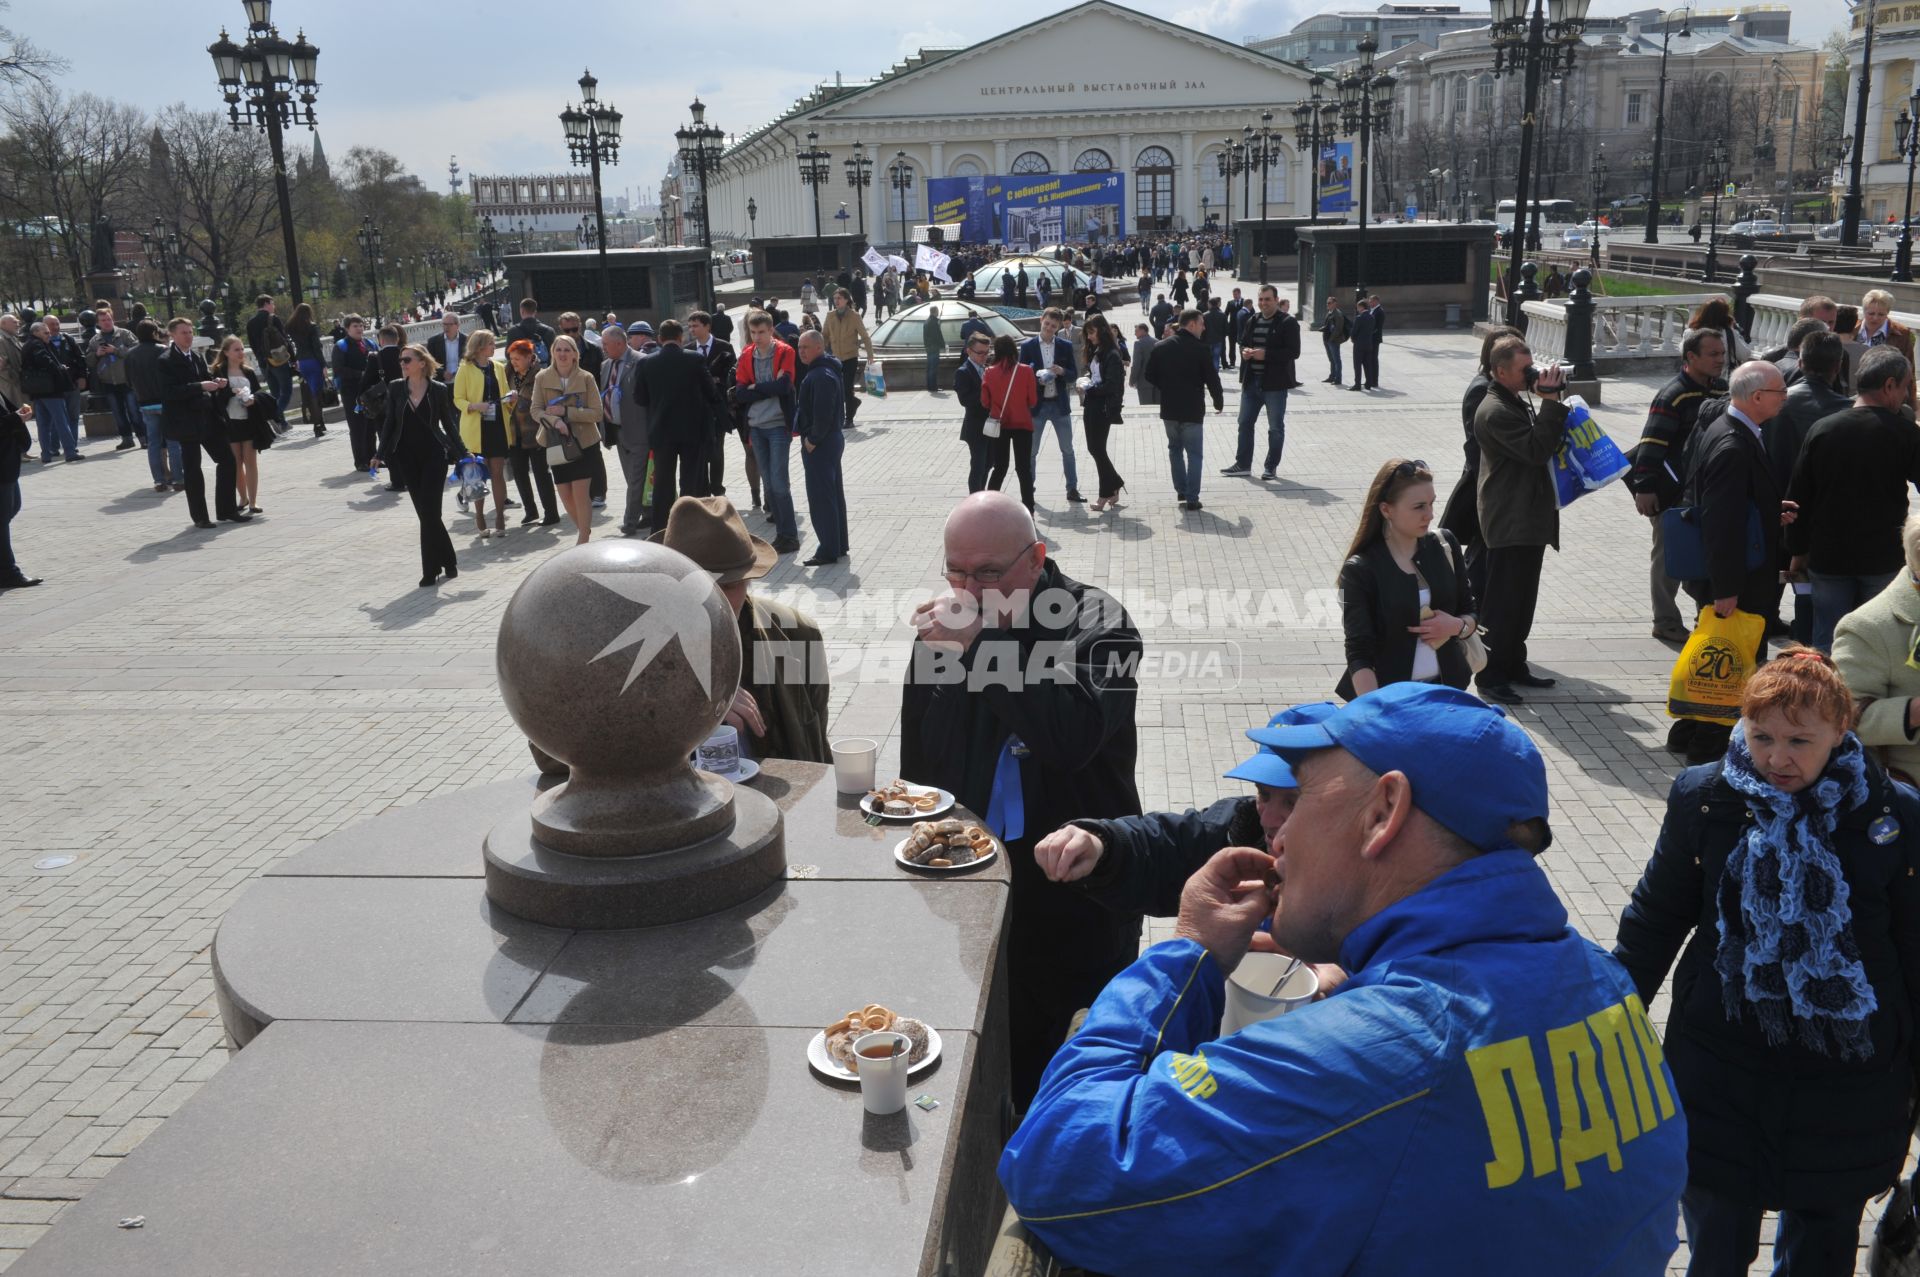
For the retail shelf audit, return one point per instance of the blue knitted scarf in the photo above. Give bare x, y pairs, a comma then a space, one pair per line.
1786, 951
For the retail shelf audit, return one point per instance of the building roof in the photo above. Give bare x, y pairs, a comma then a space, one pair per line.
828, 94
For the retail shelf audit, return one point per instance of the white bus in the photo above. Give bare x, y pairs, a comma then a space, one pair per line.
1552, 212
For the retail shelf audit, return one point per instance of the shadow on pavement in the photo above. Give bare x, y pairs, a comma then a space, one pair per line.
415, 606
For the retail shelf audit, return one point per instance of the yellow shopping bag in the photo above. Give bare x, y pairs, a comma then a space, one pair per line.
1714, 667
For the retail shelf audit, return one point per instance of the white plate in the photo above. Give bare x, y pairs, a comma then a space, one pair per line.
945, 804
900, 855
823, 1063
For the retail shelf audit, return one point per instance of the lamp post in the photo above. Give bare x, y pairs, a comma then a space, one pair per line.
1233, 162
1205, 217
753, 212
340, 278
1850, 210
1596, 178
155, 245
1537, 45
900, 175
272, 72
1261, 153
593, 139
1717, 174
1307, 135
489, 245
313, 283
370, 244
816, 169
1907, 139
859, 177
700, 160
1780, 72
1660, 125
1366, 107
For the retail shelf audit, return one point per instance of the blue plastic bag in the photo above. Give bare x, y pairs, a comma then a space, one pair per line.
1588, 459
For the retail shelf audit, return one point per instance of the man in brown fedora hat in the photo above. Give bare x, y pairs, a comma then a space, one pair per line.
781, 705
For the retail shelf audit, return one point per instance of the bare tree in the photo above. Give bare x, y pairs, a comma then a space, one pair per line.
23, 62
214, 184
69, 164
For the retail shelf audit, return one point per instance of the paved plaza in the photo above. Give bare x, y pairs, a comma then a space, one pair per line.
184, 708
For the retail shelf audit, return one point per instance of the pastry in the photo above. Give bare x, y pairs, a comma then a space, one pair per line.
898, 807
854, 1025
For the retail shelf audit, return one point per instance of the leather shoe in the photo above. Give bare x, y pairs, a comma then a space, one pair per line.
202, 523
1672, 633
1502, 692
785, 546
20, 583
1534, 680
1076, 498
821, 558
236, 518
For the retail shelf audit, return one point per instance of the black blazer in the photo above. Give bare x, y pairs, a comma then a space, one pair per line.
1104, 402
1378, 602
721, 358
437, 347
966, 388
445, 416
183, 405
1728, 476
676, 388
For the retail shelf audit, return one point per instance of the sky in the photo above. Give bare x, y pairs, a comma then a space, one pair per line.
488, 89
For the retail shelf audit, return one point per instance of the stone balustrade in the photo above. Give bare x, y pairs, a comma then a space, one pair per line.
1624, 328
1774, 314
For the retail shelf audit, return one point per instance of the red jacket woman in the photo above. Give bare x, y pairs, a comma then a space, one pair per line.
1008, 392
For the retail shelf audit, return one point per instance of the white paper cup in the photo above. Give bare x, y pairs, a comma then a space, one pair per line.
853, 763
883, 1080
720, 752
1250, 997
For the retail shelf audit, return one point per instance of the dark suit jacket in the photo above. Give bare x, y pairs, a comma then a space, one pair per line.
447, 359
966, 388
721, 359
183, 405
1729, 476
676, 389
1364, 332
445, 416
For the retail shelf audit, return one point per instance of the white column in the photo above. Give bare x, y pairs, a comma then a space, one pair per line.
939, 168
1063, 148
1125, 162
1187, 182
999, 155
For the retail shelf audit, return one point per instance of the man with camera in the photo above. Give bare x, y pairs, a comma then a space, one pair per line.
1519, 508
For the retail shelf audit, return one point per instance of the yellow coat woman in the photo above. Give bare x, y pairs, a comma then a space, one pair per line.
469, 392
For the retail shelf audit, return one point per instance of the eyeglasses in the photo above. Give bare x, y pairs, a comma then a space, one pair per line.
985, 576
409, 359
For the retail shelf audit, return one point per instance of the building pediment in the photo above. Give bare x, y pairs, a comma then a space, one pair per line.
1093, 58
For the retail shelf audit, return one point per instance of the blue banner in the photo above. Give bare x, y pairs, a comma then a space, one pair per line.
1031, 210
1336, 177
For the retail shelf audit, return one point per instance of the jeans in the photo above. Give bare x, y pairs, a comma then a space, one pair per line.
56, 430
1146, 299
1334, 371
1835, 596
1184, 448
1252, 399
1058, 414
120, 400
771, 445
827, 493
933, 370
1723, 1236
1219, 349
163, 457
281, 379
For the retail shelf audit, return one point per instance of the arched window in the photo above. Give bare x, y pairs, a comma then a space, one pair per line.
965, 168
1093, 160
1153, 189
1030, 162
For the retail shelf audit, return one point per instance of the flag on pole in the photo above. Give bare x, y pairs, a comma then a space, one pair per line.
875, 261
931, 260
900, 264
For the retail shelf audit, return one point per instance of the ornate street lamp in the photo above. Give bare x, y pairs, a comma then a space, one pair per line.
371, 244
700, 160
1366, 108
593, 139
1596, 178
1717, 174
270, 84
1536, 45
859, 177
900, 174
753, 213
154, 244
1233, 162
1261, 152
1907, 144
1308, 120
816, 170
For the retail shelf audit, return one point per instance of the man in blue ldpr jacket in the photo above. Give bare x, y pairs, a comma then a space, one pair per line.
1483, 1096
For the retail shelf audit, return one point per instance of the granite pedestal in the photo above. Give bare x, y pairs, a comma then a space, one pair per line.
431, 1085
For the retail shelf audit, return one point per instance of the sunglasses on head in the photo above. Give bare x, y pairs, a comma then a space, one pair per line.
1410, 468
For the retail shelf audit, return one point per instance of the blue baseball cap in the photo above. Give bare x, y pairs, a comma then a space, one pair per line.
1471, 768
1268, 768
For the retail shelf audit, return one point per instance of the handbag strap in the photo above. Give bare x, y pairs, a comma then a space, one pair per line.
1012, 375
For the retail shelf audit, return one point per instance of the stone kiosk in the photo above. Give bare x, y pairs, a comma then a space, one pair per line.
562, 1026
1428, 274
653, 284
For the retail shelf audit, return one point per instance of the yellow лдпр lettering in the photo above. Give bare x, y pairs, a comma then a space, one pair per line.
1602, 1097
1194, 1075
